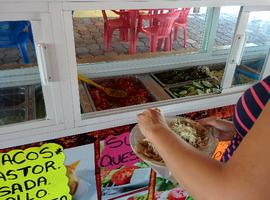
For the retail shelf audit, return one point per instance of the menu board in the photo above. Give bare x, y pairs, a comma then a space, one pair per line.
99, 165
80, 163
34, 173
122, 173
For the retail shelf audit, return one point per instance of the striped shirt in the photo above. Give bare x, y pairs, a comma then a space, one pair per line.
247, 110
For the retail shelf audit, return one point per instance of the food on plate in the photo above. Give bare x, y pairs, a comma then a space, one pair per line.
139, 197
136, 93
147, 149
120, 176
123, 175
73, 181
106, 177
181, 75
163, 184
189, 130
196, 88
177, 194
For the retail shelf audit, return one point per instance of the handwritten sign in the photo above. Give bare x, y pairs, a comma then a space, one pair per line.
33, 174
117, 152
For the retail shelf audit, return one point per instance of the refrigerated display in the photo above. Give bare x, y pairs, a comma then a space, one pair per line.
80, 117
19, 104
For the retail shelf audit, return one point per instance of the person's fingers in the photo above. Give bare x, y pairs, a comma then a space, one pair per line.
156, 109
140, 115
151, 115
143, 117
144, 113
155, 112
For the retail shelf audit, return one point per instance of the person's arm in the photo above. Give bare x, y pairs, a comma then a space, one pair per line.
245, 176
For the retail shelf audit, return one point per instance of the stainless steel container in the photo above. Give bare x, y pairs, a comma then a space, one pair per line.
156, 92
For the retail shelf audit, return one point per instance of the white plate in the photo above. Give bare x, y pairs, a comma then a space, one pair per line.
136, 136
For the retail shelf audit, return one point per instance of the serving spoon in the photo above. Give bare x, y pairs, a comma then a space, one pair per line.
109, 91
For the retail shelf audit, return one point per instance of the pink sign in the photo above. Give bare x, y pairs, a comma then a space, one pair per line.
117, 152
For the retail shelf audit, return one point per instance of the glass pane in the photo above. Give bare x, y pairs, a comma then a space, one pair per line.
19, 101
127, 29
111, 35
258, 29
184, 82
226, 26
257, 39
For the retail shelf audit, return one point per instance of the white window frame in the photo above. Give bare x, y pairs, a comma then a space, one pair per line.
38, 15
238, 47
127, 115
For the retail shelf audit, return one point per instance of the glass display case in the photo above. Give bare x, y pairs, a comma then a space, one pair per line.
168, 76
83, 70
177, 56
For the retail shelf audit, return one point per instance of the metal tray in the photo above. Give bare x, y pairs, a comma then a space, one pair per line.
39, 103
218, 66
168, 90
35, 92
87, 104
140, 78
150, 84
25, 109
9, 116
154, 75
14, 97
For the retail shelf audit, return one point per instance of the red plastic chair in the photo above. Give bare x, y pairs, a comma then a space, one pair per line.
110, 25
181, 22
161, 29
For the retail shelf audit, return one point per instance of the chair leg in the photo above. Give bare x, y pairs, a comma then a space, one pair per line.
126, 35
22, 39
105, 35
134, 45
185, 36
24, 52
30, 33
151, 43
154, 44
171, 42
109, 40
122, 34
175, 35
167, 44
160, 42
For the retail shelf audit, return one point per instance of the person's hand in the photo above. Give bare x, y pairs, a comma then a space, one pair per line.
224, 130
150, 121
